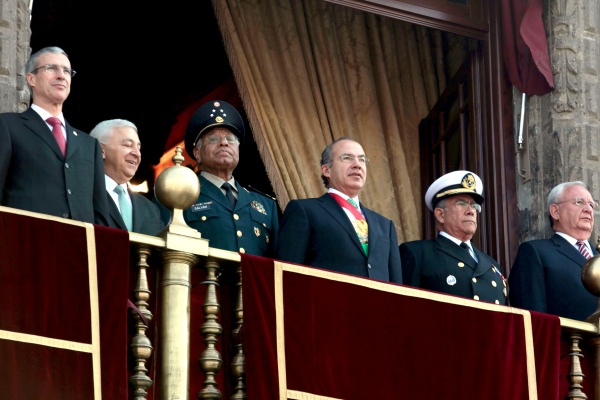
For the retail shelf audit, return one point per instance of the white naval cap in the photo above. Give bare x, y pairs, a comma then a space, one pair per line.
453, 183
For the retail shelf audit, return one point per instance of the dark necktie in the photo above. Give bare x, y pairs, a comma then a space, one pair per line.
466, 247
229, 193
57, 132
583, 250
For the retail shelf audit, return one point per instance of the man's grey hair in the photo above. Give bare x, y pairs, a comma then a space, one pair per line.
104, 130
555, 195
33, 59
327, 158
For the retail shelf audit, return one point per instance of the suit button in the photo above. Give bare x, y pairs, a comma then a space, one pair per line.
242, 250
203, 218
497, 302
369, 265
236, 217
69, 191
66, 165
474, 280
65, 215
475, 297
494, 284
239, 233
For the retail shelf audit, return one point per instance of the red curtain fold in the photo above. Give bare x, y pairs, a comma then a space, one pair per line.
345, 340
526, 47
45, 292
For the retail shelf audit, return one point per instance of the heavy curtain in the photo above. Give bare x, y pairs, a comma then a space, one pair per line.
310, 72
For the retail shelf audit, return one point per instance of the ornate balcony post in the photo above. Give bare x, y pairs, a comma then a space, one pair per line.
177, 188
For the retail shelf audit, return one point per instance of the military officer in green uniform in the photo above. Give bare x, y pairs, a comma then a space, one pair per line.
451, 263
228, 215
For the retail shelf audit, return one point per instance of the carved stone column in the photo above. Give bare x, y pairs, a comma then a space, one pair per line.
561, 135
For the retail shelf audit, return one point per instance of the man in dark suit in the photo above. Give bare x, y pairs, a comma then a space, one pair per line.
450, 263
330, 232
121, 150
546, 274
59, 173
228, 215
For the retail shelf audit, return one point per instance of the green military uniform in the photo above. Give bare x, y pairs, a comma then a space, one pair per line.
251, 227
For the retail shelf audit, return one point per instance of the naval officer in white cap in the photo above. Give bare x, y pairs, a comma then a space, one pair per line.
450, 263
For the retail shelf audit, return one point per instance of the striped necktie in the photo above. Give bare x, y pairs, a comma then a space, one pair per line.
583, 250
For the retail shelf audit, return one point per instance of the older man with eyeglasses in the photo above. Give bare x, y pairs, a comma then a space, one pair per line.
546, 274
336, 231
226, 213
451, 263
46, 165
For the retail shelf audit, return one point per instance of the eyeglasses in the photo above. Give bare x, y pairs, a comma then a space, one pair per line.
464, 204
230, 139
349, 158
580, 202
55, 68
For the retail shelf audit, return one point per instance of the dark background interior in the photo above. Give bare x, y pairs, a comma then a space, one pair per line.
141, 61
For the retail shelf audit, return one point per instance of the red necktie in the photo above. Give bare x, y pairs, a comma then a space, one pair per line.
583, 250
57, 132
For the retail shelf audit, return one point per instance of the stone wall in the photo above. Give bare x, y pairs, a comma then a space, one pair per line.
562, 137
14, 51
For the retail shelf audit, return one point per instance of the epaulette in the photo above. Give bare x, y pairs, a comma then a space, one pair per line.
259, 192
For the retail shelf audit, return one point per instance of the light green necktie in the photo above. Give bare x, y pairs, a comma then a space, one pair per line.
125, 207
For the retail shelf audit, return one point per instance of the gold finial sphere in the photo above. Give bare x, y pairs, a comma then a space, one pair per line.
590, 274
177, 186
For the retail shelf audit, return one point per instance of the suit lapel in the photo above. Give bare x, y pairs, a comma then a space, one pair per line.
114, 212
73, 139
38, 126
453, 250
567, 249
484, 264
211, 191
136, 209
339, 216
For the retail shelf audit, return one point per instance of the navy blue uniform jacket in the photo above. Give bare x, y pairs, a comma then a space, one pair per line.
443, 266
146, 216
35, 176
546, 277
317, 232
251, 227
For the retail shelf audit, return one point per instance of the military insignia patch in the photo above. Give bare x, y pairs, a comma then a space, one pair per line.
468, 182
201, 206
258, 207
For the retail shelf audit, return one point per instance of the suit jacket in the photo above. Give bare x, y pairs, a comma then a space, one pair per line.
546, 277
146, 216
317, 232
443, 266
251, 227
35, 176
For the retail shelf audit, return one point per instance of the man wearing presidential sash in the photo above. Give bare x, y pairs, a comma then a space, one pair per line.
336, 231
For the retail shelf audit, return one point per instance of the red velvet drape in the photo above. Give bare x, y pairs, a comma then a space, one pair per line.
351, 339
47, 324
